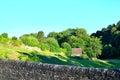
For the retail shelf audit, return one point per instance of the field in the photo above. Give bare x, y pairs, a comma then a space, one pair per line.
54, 58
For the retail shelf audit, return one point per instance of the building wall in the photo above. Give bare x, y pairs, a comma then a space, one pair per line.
17, 70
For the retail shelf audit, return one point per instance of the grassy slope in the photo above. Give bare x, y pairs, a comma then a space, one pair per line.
54, 58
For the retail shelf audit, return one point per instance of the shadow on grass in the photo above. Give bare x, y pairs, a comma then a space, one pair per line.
52, 60
47, 59
74, 61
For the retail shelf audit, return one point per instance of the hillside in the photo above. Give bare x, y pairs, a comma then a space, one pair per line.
23, 54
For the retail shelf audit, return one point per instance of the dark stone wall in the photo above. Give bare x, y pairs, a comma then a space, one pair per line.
17, 70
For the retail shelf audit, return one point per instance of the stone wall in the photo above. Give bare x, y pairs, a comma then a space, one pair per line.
17, 70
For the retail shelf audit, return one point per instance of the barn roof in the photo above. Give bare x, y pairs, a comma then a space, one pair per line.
76, 51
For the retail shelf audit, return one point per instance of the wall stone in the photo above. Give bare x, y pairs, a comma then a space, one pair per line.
17, 70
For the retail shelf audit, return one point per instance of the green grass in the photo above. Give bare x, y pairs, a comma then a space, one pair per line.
54, 58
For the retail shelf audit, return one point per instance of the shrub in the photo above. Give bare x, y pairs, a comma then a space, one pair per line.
53, 43
5, 35
14, 38
68, 48
84, 56
44, 46
16, 42
3, 40
30, 41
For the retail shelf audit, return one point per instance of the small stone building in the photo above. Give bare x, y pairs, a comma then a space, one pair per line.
76, 51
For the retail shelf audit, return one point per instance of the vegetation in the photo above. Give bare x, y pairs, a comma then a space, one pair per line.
110, 38
56, 48
78, 38
68, 49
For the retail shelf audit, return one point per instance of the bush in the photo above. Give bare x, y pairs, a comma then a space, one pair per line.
44, 46
84, 56
30, 41
5, 35
3, 40
53, 43
14, 38
68, 48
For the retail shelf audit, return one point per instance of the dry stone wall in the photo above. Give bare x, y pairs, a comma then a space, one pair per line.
17, 70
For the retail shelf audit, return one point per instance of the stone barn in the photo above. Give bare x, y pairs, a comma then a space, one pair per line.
76, 51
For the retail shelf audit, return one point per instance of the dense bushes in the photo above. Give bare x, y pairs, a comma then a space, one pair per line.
30, 40
54, 46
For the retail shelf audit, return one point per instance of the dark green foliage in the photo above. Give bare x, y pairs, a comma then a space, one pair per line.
14, 38
68, 48
5, 35
110, 38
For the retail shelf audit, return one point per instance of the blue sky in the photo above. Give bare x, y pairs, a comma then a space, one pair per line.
18, 17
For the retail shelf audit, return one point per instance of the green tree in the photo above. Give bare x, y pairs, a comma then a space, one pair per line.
53, 43
5, 35
4, 38
93, 47
53, 35
14, 38
40, 36
110, 36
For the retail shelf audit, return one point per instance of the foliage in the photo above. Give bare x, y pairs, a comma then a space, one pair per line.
15, 42
29, 40
3, 39
5, 35
110, 38
53, 35
14, 38
68, 48
84, 56
40, 36
78, 38
54, 46
93, 47
44, 46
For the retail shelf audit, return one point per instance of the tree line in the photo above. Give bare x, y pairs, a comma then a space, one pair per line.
58, 41
110, 37
102, 44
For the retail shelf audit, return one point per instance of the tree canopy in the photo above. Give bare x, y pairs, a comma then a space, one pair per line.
110, 38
